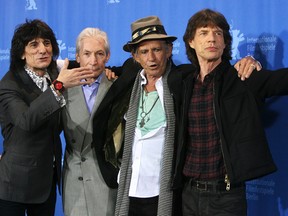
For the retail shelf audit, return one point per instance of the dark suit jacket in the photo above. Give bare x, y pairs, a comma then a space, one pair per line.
30, 122
104, 116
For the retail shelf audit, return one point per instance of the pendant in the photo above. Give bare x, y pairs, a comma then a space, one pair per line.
142, 123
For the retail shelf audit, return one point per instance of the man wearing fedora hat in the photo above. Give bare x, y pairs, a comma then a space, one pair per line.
146, 100
150, 124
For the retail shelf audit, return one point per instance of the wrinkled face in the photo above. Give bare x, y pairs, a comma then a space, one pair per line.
92, 54
208, 44
153, 55
38, 54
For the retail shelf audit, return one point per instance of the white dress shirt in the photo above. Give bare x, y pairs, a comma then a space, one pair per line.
147, 154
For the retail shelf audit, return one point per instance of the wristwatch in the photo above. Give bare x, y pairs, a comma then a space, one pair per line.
58, 85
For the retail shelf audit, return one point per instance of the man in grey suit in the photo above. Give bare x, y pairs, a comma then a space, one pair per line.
85, 191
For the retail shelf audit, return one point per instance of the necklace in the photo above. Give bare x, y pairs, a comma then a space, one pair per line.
144, 113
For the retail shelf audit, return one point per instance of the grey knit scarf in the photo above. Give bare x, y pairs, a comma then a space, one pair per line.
165, 194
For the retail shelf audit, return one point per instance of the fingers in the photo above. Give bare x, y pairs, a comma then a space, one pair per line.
237, 66
76, 76
258, 66
66, 63
246, 66
110, 74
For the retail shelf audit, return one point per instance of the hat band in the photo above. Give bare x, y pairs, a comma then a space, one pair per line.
148, 30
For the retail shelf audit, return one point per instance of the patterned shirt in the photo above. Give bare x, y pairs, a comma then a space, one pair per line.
43, 83
204, 159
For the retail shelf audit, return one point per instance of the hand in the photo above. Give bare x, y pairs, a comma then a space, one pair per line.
110, 74
76, 76
246, 66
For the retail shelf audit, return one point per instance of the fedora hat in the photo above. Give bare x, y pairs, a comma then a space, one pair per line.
148, 28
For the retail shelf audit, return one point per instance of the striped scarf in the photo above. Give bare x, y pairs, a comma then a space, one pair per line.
165, 194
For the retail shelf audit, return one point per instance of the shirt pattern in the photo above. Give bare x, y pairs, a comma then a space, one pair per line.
43, 83
204, 159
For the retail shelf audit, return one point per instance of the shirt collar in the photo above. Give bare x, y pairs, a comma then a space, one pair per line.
144, 80
95, 83
38, 80
99, 78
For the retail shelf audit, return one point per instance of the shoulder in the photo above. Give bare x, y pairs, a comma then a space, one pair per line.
185, 67
130, 69
11, 79
181, 71
130, 65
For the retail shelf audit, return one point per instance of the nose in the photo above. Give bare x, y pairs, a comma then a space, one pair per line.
42, 48
211, 37
151, 55
94, 59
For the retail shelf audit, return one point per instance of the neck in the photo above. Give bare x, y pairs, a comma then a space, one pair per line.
38, 71
150, 86
207, 67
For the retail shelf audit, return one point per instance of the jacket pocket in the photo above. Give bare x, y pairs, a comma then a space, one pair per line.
236, 108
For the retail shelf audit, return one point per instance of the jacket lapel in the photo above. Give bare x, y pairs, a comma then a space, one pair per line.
103, 88
78, 114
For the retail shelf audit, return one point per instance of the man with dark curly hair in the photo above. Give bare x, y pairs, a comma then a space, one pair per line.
30, 103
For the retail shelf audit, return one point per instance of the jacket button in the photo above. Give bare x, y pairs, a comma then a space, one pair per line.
80, 178
83, 159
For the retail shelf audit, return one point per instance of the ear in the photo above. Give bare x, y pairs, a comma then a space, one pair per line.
107, 57
77, 58
191, 44
135, 57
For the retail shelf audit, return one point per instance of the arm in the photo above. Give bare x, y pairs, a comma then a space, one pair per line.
269, 83
23, 108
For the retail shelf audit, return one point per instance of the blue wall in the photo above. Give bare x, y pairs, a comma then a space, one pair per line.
259, 28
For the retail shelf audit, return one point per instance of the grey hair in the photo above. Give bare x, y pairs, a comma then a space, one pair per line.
92, 33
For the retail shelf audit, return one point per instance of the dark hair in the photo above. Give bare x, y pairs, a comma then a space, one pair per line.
206, 18
26, 32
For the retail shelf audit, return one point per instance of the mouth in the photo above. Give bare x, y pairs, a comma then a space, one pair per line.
95, 69
212, 49
46, 58
153, 66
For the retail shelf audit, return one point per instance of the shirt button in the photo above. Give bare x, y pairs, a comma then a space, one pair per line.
83, 159
80, 178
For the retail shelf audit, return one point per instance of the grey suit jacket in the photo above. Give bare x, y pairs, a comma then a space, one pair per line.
84, 189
